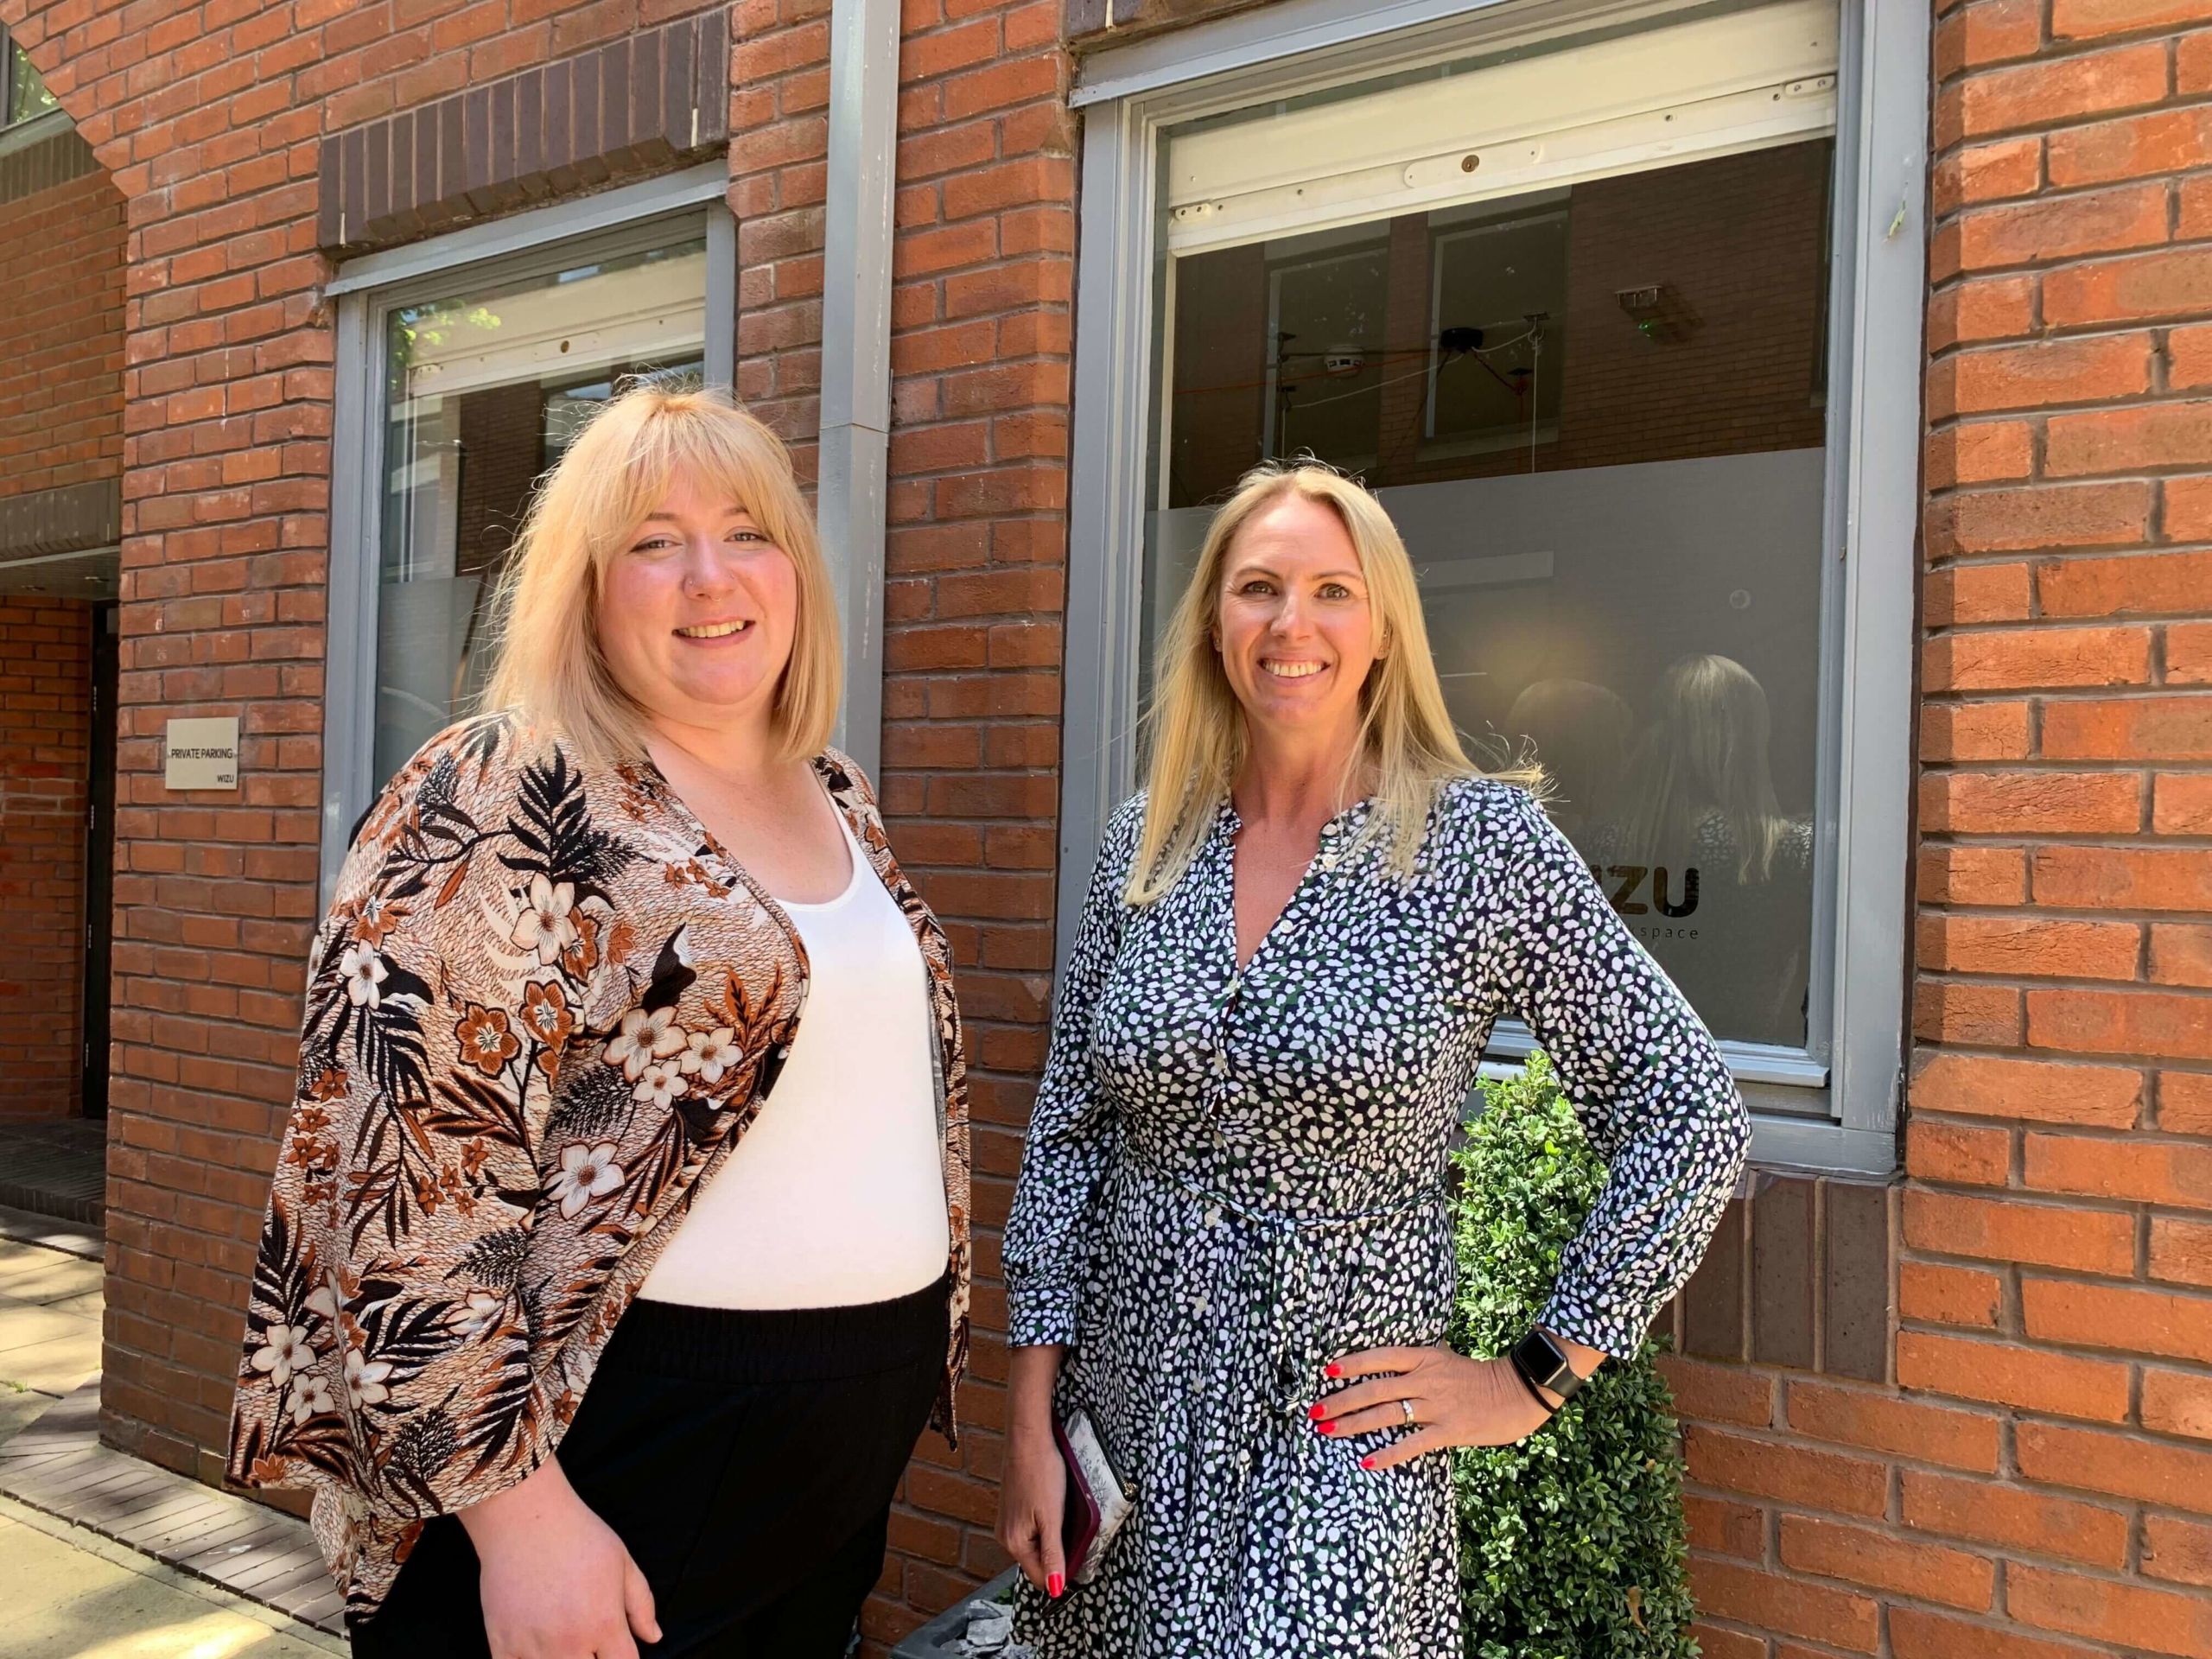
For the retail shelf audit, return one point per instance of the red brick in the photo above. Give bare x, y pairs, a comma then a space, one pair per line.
1995, 307
2039, 232
1946, 1011
2150, 436
1726, 1590
2182, 805
1986, 1086
2140, 584
2089, 1241
2018, 659
1957, 1154
2189, 654
2166, 141
2035, 95
2031, 802
1989, 32
1726, 1529
1947, 1295
2088, 19
1874, 1560
2117, 1464
2119, 1022
1719, 1394
2007, 169
2188, 516
2151, 1171
1793, 1474
2177, 1550
2091, 370
2038, 517
1973, 876
2001, 1374
1915, 1634
2181, 1251
2175, 282
2112, 1316
2101, 878
2006, 1517
2168, 1621
2032, 945
1882, 1421
2177, 1402
1980, 452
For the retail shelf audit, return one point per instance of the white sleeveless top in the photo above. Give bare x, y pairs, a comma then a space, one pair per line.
835, 1195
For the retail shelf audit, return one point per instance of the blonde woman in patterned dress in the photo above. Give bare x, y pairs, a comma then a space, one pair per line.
601, 1296
1229, 1246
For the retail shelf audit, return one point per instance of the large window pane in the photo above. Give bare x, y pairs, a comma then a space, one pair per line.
1597, 410
485, 388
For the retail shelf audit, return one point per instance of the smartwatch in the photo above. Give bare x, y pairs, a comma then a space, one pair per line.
1542, 1363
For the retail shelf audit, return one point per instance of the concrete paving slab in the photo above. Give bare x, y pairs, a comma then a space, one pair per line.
71, 1594
55, 1367
31, 1272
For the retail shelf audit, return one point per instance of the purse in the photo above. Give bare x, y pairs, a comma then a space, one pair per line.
1097, 1502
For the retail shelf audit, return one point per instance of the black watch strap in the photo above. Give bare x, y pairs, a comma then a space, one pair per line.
1542, 1363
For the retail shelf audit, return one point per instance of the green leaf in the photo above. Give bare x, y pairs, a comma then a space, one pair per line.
1572, 1543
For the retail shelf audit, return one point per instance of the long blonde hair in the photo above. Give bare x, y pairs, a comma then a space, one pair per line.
550, 667
1196, 732
1706, 752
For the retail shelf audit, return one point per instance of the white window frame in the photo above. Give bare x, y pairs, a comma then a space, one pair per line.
544, 239
1833, 1106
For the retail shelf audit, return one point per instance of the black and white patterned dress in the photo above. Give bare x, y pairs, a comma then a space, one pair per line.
1234, 1176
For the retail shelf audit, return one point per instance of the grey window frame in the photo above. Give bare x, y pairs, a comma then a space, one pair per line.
1834, 1107
543, 239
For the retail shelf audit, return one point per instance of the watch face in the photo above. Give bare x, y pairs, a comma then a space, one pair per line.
1547, 1361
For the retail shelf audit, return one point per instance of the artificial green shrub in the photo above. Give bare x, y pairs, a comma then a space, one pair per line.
1570, 1544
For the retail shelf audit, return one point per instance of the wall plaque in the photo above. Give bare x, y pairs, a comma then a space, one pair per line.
201, 753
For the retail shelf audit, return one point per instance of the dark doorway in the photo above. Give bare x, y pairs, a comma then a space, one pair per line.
99, 857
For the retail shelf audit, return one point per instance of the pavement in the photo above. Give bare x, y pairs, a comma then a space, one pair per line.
65, 1592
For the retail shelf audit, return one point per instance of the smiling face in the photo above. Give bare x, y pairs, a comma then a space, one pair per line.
697, 612
1294, 626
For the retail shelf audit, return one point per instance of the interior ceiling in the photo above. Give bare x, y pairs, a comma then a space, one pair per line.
90, 574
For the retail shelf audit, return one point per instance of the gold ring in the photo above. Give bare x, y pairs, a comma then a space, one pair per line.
1407, 1406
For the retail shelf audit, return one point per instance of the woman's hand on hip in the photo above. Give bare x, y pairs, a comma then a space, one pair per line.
555, 1580
1456, 1401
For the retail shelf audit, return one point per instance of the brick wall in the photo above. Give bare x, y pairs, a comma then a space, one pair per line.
975, 570
62, 336
212, 123
2044, 1477
46, 681
2037, 1483
208, 121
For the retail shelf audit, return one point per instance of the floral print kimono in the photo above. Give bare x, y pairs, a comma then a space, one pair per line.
1236, 1175
543, 1008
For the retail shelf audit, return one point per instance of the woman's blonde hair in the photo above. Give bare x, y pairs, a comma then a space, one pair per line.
550, 668
1706, 752
1196, 732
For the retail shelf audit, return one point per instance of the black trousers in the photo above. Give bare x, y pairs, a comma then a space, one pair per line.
747, 1458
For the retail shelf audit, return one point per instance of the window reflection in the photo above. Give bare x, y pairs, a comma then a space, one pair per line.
1597, 413
485, 389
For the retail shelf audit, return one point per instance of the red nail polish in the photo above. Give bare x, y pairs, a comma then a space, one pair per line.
1367, 1462
1333, 1369
1317, 1412
1328, 1428
1055, 1587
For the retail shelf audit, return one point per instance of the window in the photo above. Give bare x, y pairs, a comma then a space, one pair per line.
23, 96
486, 383
469, 377
1565, 296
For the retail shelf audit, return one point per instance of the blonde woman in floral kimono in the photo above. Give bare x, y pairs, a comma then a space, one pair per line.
601, 1296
